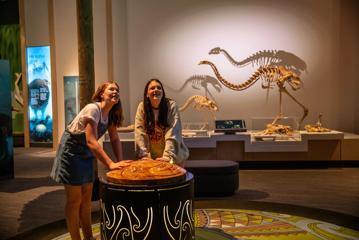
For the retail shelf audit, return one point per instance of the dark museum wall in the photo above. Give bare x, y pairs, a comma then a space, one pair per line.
167, 39
10, 50
348, 67
9, 12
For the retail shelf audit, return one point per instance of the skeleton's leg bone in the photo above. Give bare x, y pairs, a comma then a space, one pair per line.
305, 110
280, 115
280, 102
213, 115
319, 121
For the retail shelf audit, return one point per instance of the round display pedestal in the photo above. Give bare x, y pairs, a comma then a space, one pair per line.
161, 211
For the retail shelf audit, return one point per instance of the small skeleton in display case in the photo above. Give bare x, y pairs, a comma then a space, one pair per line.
317, 127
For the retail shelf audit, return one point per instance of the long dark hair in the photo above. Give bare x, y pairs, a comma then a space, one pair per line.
115, 116
163, 109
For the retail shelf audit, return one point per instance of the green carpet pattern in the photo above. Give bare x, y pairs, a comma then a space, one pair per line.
230, 224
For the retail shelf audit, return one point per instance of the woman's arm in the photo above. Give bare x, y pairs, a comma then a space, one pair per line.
115, 142
142, 141
96, 149
175, 150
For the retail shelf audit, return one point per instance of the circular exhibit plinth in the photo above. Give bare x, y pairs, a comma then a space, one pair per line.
158, 210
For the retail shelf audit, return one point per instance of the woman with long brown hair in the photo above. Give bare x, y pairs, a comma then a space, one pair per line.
158, 130
79, 149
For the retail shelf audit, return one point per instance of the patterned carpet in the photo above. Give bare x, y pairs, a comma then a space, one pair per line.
228, 224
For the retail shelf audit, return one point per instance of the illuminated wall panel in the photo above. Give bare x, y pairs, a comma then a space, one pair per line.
38, 67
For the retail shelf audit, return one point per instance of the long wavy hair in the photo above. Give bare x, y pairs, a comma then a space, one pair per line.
115, 116
163, 109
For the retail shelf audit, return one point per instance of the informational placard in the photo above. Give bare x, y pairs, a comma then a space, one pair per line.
230, 126
38, 66
71, 97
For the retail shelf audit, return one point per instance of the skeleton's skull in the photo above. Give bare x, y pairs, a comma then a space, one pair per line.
212, 105
215, 50
294, 81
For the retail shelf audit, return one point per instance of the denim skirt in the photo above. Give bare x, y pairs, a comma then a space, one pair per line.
74, 162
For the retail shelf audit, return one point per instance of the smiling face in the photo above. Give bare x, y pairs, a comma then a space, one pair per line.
111, 94
155, 93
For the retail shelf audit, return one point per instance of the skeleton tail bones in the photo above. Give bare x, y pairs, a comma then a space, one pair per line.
267, 72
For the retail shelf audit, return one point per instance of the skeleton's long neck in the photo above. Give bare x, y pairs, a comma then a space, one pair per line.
231, 59
238, 87
187, 103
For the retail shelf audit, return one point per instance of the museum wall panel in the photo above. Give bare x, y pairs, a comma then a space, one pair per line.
324, 149
37, 24
100, 41
276, 156
348, 84
66, 51
203, 154
350, 149
230, 150
120, 54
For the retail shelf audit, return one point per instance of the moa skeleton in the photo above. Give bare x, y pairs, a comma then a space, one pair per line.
201, 102
270, 75
317, 127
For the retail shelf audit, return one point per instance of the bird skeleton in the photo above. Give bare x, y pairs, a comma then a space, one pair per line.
270, 76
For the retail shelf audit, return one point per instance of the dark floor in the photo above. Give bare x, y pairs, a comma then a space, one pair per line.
32, 199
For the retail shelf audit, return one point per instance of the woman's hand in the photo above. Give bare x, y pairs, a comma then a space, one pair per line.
164, 159
119, 165
125, 163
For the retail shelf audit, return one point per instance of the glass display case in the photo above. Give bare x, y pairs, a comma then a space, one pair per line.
194, 129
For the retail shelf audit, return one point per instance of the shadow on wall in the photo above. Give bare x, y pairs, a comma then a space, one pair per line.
200, 81
259, 59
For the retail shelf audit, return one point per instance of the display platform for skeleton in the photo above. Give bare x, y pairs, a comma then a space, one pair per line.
147, 172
